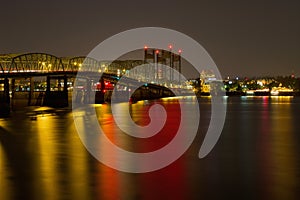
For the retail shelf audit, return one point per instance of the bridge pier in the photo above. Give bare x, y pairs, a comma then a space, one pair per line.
88, 91
99, 95
85, 95
13, 87
31, 89
58, 98
4, 97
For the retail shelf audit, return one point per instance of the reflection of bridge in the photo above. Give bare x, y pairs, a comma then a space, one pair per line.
47, 79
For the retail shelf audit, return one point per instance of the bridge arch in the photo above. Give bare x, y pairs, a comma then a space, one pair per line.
90, 64
39, 62
5, 62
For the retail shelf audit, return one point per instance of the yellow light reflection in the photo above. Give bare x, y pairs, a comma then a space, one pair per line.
63, 165
283, 153
5, 184
78, 167
47, 150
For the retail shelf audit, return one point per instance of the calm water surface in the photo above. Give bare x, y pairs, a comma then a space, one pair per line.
256, 157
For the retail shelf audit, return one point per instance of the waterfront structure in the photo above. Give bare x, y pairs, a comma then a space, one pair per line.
44, 79
160, 57
206, 78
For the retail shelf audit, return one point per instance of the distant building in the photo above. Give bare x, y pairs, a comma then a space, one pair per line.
206, 77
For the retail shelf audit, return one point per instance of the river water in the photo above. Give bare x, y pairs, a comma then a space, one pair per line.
256, 157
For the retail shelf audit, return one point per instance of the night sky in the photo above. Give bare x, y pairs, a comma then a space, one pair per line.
245, 38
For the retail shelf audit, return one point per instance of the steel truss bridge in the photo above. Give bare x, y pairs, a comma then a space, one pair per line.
30, 65
35, 64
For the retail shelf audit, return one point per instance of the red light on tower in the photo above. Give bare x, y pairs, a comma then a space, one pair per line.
157, 51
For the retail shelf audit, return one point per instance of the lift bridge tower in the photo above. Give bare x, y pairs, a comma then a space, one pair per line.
159, 57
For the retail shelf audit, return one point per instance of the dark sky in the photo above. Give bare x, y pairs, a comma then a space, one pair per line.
245, 38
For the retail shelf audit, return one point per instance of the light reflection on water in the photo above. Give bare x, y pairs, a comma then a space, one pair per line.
257, 156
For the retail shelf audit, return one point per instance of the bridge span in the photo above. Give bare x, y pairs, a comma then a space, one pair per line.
46, 80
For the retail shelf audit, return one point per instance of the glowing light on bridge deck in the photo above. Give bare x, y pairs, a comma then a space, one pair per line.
170, 46
145, 47
157, 51
179, 51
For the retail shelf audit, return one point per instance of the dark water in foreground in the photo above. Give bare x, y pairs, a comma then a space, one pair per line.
256, 157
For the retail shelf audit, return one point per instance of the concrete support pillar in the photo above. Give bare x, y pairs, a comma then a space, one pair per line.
102, 85
87, 97
99, 95
65, 84
48, 84
13, 87
6, 90
4, 98
59, 84
30, 97
13, 90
